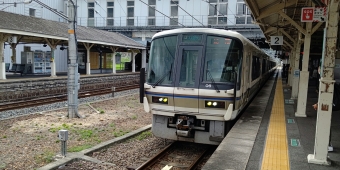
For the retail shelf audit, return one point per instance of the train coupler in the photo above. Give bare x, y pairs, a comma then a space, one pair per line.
184, 126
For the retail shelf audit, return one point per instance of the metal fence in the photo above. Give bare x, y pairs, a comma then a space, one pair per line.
197, 20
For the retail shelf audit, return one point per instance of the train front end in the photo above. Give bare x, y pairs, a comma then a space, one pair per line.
192, 86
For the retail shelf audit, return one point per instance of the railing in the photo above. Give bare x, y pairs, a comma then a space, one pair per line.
158, 21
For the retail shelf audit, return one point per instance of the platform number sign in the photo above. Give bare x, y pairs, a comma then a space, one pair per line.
12, 39
276, 40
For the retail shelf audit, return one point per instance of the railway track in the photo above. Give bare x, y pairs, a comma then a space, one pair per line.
60, 98
178, 155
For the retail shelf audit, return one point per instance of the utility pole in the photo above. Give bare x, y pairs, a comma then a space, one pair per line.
73, 76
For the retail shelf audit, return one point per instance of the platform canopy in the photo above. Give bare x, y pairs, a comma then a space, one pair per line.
37, 30
283, 17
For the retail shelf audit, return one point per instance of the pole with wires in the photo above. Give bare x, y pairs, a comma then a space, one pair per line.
73, 76
187, 13
161, 13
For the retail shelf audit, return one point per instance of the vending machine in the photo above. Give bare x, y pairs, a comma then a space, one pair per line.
48, 58
38, 62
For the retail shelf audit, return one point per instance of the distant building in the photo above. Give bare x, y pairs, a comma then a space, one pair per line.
139, 19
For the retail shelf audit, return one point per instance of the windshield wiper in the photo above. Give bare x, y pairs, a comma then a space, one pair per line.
213, 81
160, 80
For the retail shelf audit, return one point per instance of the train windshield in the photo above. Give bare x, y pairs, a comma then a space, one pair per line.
222, 59
161, 61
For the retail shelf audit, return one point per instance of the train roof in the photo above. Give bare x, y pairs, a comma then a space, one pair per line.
208, 31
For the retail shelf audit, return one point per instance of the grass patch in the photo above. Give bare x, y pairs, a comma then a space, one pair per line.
4, 137
2, 165
120, 133
101, 111
144, 135
63, 126
85, 134
39, 137
45, 157
96, 139
79, 148
134, 117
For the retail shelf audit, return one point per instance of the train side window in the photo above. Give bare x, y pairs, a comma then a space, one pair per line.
255, 68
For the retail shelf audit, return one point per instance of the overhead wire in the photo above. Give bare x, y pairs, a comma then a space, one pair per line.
161, 13
187, 13
121, 7
99, 5
218, 10
103, 10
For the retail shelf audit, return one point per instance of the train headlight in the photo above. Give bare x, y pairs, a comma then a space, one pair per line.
215, 104
161, 100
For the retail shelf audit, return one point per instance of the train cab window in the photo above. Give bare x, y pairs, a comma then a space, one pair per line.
188, 68
161, 61
222, 59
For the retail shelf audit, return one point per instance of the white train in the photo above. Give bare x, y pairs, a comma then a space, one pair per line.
199, 80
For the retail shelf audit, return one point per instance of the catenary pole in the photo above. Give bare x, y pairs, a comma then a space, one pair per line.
72, 83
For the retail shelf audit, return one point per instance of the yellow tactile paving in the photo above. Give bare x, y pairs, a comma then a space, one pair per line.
275, 155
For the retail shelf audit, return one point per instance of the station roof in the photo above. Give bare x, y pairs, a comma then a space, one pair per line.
34, 30
284, 17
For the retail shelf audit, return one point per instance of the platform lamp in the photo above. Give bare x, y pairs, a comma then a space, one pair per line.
14, 4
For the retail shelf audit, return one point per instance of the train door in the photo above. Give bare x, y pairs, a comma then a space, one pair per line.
187, 78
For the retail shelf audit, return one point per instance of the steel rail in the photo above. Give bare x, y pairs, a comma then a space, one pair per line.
155, 158
163, 153
59, 98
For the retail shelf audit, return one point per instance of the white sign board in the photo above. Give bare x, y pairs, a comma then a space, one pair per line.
276, 40
12, 39
320, 14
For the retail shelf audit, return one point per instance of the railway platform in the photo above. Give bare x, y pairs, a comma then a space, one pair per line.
268, 136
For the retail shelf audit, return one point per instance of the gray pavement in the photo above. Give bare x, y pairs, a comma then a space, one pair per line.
242, 149
239, 149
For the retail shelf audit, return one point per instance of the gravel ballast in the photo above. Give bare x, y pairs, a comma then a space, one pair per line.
30, 141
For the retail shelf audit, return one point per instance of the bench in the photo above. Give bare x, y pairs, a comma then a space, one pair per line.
18, 68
